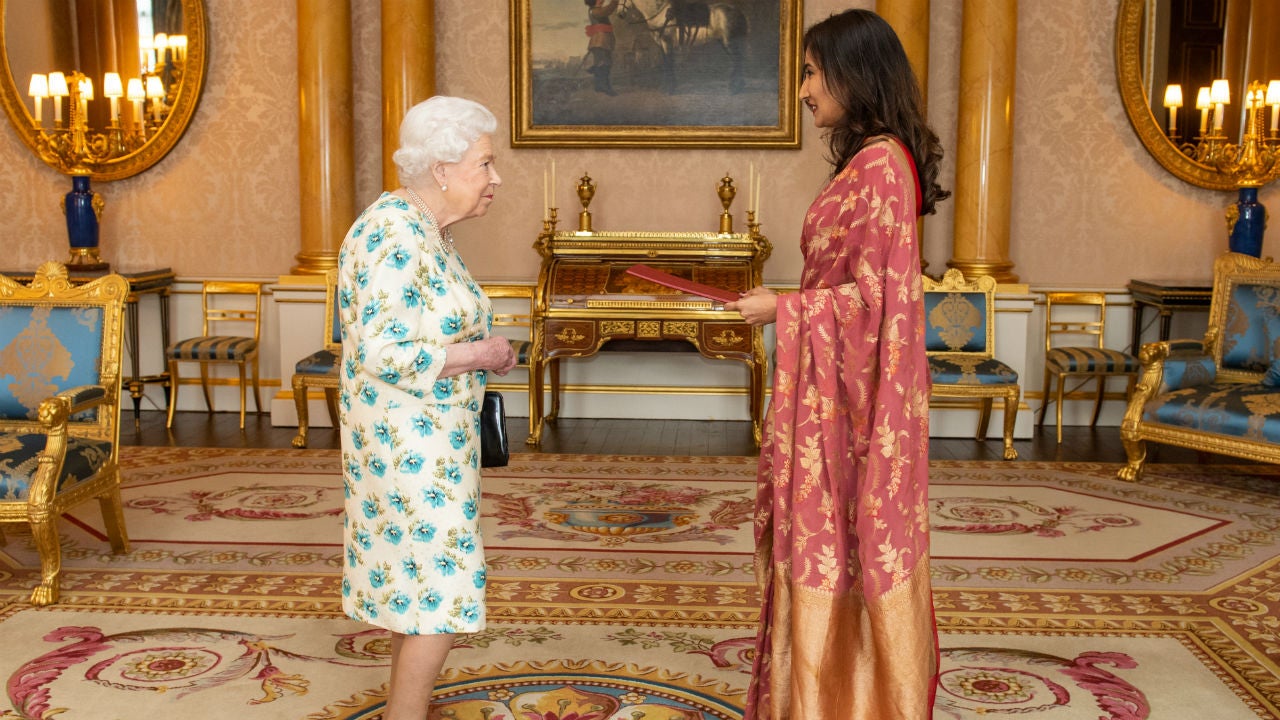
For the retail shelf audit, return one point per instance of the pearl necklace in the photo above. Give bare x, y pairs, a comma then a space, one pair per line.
445, 233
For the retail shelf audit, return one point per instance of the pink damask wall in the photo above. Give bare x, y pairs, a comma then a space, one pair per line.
1090, 206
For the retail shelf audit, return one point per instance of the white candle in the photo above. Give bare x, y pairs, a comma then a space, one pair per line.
40, 110
1204, 120
57, 109
137, 112
751, 182
759, 181
546, 195
553, 183
1217, 116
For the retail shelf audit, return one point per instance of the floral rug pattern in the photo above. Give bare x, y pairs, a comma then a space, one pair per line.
622, 587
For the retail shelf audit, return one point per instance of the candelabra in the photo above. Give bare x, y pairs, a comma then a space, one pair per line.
1250, 164
77, 149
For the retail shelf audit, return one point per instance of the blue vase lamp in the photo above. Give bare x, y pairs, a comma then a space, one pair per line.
1246, 223
83, 208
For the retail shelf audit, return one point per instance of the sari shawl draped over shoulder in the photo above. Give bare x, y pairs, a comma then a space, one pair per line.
842, 541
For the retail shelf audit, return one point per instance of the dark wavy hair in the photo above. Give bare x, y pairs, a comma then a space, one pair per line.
866, 70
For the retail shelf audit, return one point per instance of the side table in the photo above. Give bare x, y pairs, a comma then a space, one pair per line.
1167, 297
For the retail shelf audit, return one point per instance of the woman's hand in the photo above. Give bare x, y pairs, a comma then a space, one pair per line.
758, 306
496, 355
492, 353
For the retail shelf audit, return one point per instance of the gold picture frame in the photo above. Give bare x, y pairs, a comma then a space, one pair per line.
690, 74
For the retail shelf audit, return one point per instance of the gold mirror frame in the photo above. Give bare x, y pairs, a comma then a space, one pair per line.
157, 146
1129, 33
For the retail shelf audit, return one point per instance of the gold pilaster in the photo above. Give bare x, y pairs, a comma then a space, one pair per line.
984, 139
408, 70
325, 138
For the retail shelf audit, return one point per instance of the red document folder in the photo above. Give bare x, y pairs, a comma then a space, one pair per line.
666, 279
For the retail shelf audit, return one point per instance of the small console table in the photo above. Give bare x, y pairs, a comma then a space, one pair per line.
146, 282
1167, 297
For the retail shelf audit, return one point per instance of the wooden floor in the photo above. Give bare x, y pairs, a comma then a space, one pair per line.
640, 437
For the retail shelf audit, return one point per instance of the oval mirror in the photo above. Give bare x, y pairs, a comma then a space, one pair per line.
156, 89
1145, 32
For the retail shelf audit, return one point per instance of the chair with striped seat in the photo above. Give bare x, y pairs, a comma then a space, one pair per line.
217, 298
960, 344
60, 356
1074, 337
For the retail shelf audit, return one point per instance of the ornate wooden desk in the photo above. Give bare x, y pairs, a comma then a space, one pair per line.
1167, 297
585, 299
146, 282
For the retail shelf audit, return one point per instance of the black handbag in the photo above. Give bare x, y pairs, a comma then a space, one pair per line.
493, 431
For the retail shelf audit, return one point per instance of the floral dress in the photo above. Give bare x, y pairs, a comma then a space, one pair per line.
414, 560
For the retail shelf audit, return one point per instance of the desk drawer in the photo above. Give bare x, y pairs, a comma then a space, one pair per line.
569, 335
726, 337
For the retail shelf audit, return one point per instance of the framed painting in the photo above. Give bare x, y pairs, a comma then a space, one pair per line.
655, 73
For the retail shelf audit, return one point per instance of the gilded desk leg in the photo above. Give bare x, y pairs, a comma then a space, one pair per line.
759, 366
553, 368
535, 395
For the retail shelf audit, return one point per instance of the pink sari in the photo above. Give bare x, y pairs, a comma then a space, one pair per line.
842, 534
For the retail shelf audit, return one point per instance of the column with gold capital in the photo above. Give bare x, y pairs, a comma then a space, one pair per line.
325, 137
984, 139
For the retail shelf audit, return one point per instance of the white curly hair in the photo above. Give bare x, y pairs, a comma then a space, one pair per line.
439, 129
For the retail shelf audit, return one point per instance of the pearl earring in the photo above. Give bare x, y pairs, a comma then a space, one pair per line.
444, 188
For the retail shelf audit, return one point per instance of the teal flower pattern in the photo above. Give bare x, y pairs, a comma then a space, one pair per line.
413, 549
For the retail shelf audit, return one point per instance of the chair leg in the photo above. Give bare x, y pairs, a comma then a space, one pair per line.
1097, 400
1010, 417
1044, 399
984, 418
113, 518
243, 390
204, 385
300, 403
1062, 381
45, 533
173, 391
331, 401
257, 393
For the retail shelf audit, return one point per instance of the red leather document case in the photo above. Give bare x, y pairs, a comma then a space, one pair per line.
666, 279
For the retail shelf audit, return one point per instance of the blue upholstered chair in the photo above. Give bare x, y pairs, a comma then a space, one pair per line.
1222, 394
1074, 347
320, 368
60, 349
212, 349
960, 343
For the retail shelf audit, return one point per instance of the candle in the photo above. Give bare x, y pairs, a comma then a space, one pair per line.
751, 182
1273, 99
546, 195
755, 200
1219, 95
553, 183
57, 90
39, 90
1217, 116
136, 96
1173, 101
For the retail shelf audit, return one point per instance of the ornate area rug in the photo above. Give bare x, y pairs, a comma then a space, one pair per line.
622, 588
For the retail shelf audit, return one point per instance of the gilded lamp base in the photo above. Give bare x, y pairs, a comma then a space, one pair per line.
86, 259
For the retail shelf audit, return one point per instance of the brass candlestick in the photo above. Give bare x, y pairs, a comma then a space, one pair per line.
586, 191
726, 191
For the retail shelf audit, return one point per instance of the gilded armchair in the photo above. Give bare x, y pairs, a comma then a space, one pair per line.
60, 352
1222, 394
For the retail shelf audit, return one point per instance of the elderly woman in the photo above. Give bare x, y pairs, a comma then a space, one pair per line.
416, 346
